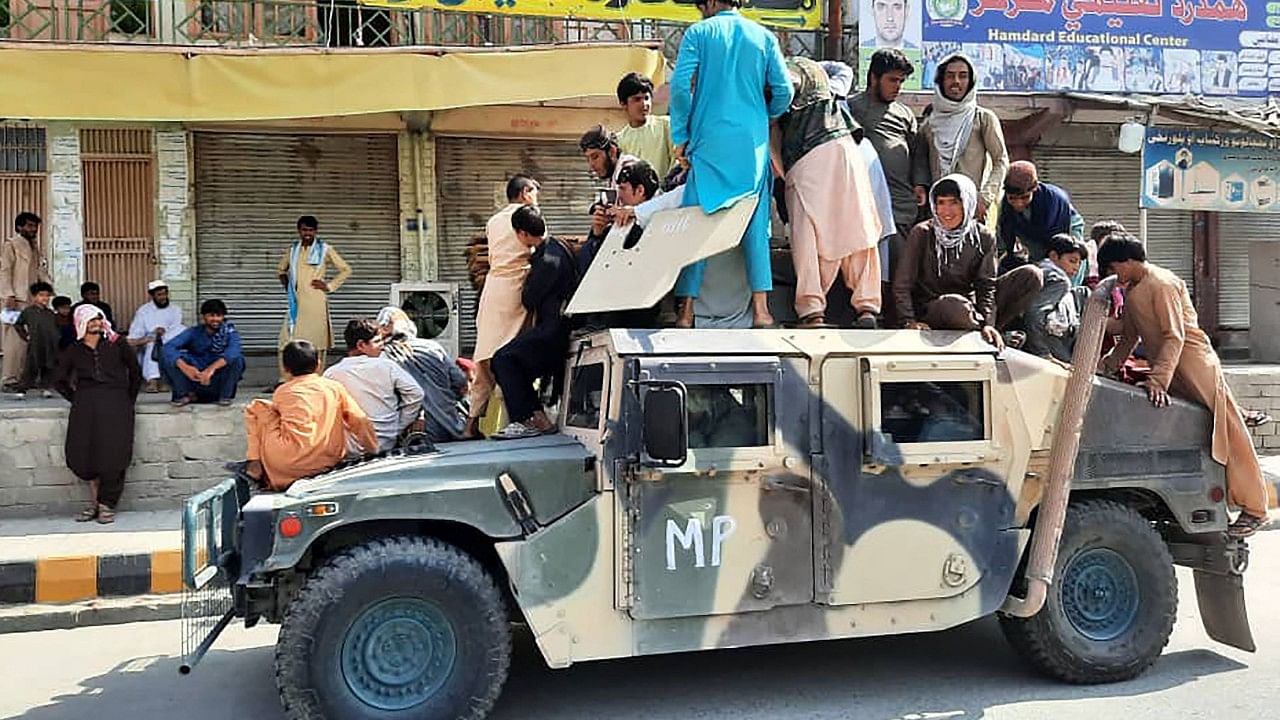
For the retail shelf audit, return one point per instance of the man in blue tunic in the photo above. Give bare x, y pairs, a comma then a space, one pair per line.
722, 130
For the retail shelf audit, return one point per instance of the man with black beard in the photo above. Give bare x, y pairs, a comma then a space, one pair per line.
152, 323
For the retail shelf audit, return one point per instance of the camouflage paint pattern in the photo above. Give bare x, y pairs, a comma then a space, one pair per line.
826, 529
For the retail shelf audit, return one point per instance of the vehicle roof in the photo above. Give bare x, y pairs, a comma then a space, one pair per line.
792, 342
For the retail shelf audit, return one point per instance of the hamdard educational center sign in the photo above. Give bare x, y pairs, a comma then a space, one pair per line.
1209, 47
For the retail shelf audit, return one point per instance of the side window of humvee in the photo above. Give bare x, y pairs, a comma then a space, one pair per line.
921, 412
586, 394
729, 415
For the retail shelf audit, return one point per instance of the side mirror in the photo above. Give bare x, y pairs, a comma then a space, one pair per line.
666, 432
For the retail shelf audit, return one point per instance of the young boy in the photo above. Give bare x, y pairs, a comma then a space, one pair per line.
646, 136
66, 326
539, 350
1054, 316
37, 325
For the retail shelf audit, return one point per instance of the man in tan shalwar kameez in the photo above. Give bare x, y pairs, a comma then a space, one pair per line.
302, 272
1158, 310
834, 224
22, 264
500, 316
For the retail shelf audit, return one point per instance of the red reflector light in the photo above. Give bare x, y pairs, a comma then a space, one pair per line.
290, 526
1216, 494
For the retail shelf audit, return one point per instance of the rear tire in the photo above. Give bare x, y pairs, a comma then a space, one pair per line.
394, 629
1112, 604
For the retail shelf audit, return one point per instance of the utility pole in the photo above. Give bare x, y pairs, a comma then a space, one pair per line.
835, 29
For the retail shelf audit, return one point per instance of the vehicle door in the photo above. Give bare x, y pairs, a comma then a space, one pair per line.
913, 468
728, 527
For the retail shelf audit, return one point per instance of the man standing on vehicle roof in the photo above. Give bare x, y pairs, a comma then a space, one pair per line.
723, 131
891, 129
960, 137
1158, 310
834, 227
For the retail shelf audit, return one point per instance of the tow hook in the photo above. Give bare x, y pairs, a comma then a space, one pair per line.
1238, 556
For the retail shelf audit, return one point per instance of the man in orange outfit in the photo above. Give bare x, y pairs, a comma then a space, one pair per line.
302, 430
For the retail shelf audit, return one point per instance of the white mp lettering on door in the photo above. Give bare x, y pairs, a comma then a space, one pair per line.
691, 539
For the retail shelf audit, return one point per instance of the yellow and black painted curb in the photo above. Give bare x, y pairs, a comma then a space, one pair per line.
84, 577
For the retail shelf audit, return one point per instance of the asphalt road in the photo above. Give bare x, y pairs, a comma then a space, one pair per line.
130, 673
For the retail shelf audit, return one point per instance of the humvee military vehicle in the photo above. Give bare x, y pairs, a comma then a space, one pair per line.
719, 489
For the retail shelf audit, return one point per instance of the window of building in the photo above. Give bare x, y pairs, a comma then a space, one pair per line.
22, 147
735, 415
919, 412
131, 17
586, 394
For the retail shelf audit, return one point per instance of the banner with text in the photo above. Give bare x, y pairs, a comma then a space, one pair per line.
782, 14
1206, 170
1209, 47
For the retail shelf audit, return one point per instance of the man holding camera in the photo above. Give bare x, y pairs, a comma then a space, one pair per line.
605, 158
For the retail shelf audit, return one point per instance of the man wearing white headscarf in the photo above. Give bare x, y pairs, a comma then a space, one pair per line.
947, 278
960, 137
444, 384
152, 323
99, 375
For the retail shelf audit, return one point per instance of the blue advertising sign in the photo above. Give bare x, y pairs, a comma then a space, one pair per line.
1206, 170
1209, 47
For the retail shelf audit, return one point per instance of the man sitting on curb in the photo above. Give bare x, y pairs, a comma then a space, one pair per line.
204, 363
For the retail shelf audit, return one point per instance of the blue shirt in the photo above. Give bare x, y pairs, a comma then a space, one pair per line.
195, 347
725, 119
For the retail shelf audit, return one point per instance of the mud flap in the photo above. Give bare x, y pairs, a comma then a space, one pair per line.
1222, 609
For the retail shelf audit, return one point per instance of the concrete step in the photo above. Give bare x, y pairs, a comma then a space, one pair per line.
49, 561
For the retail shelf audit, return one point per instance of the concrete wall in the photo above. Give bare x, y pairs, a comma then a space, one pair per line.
176, 454
1257, 387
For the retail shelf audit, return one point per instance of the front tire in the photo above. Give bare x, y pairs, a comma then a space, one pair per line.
394, 629
1113, 602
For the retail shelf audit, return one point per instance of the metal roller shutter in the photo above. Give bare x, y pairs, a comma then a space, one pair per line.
1104, 185
250, 190
1236, 232
472, 186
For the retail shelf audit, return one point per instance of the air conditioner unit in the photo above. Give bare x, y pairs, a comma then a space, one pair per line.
433, 307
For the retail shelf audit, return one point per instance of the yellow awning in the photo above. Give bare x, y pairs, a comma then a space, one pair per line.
187, 84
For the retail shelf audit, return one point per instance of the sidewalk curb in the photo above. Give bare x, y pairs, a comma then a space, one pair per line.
113, 611
85, 577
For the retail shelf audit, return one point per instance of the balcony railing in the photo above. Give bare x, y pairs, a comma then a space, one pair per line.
319, 23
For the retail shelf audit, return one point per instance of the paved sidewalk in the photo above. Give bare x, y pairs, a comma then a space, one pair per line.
57, 560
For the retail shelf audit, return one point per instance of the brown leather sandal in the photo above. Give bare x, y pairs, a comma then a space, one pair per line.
106, 515
1245, 525
88, 514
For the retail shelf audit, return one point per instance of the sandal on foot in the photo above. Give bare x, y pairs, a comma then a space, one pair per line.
88, 514
518, 430
866, 321
814, 321
106, 515
1245, 525
1255, 418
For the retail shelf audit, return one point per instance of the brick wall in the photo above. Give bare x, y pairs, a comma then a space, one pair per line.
1257, 387
176, 453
